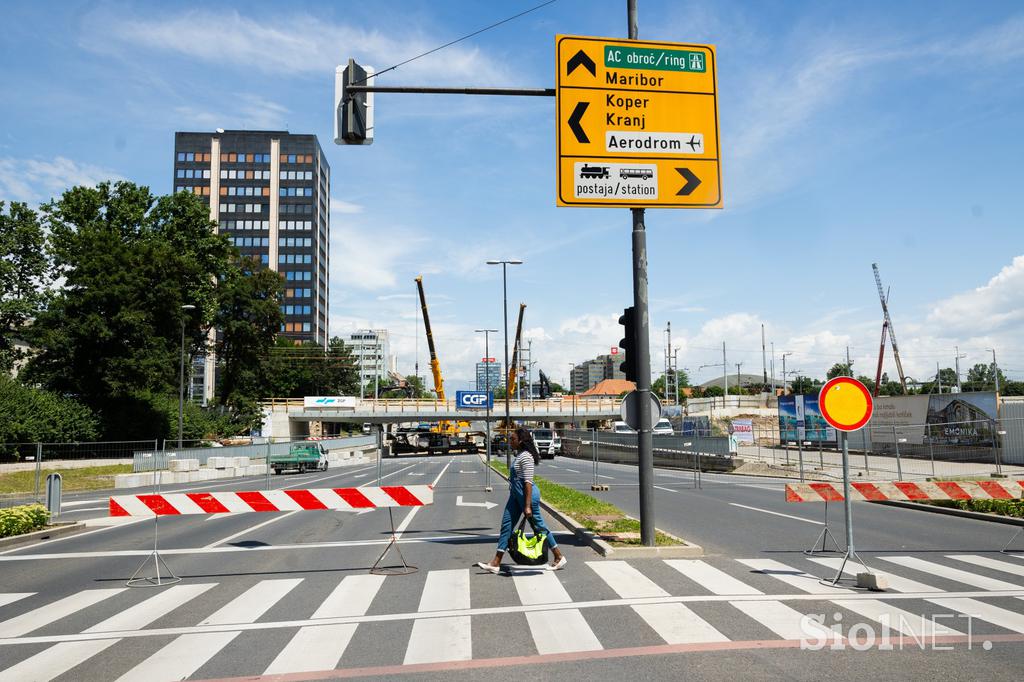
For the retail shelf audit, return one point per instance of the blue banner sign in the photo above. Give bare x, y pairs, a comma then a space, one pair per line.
474, 400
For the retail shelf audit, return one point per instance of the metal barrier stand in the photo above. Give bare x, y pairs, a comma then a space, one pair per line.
160, 580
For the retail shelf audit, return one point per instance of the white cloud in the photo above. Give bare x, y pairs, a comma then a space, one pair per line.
248, 111
996, 307
37, 181
291, 42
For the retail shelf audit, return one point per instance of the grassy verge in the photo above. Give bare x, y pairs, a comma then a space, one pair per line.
86, 478
596, 515
1013, 508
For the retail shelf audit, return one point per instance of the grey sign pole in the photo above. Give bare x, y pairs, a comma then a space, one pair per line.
54, 483
641, 346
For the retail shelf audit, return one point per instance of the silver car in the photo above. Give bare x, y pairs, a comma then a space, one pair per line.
663, 428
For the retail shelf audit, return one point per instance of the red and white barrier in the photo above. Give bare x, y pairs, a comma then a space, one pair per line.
906, 491
173, 504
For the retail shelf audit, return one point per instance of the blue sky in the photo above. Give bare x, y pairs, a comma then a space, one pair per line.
851, 133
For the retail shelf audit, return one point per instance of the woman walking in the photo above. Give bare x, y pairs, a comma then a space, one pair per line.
523, 498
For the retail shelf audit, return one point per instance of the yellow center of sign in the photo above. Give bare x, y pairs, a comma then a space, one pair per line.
846, 404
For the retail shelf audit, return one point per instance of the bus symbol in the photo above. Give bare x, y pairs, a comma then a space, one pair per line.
642, 173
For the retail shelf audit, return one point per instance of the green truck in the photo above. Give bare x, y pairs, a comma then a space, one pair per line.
301, 456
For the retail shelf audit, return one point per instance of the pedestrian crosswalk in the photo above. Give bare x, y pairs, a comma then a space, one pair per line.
655, 602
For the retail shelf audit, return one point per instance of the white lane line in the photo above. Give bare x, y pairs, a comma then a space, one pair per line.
916, 625
541, 587
62, 657
186, 654
603, 476
791, 576
973, 579
446, 589
556, 632
77, 503
710, 578
1004, 618
11, 597
625, 580
677, 624
75, 511
361, 476
275, 518
321, 647
412, 512
212, 517
51, 613
328, 477
393, 473
896, 582
668, 490
435, 640
783, 620
572, 470
787, 516
988, 562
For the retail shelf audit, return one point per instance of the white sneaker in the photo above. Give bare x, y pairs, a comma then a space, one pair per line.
559, 565
487, 567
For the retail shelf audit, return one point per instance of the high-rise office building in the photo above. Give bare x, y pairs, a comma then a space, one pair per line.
371, 351
587, 374
488, 373
269, 191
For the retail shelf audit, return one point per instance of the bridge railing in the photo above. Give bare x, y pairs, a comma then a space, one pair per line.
583, 406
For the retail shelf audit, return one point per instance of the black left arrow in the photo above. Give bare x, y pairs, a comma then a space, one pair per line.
692, 182
574, 122
581, 59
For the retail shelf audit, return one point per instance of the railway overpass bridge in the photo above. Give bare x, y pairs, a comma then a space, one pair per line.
299, 417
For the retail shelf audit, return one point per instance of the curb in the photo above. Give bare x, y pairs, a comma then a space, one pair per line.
962, 513
54, 531
686, 550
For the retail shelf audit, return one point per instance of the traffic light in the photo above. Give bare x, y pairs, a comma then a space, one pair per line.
353, 111
628, 343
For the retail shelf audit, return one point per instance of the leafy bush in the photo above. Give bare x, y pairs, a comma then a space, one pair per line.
1014, 508
33, 415
23, 519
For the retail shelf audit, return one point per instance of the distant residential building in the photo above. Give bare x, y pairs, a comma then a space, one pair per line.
269, 192
587, 374
371, 351
609, 388
488, 373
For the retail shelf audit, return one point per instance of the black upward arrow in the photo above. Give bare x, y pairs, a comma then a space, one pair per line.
692, 182
574, 122
578, 59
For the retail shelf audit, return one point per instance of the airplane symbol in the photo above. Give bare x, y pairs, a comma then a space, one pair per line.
694, 142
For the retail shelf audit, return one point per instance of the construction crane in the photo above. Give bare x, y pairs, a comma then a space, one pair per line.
513, 369
887, 328
435, 365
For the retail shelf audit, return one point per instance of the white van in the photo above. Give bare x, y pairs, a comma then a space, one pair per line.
663, 427
621, 427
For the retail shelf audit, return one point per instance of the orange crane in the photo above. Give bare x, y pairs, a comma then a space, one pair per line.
513, 368
443, 426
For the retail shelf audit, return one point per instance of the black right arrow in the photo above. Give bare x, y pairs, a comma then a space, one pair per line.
574, 123
578, 59
692, 182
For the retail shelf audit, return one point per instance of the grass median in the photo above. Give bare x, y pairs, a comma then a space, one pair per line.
85, 478
596, 515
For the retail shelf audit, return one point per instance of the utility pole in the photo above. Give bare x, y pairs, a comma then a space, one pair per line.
764, 364
995, 369
668, 356
642, 348
784, 371
738, 383
959, 387
675, 375
849, 365
725, 376
773, 371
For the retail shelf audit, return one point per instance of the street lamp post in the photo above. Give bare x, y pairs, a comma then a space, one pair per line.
181, 374
504, 291
487, 385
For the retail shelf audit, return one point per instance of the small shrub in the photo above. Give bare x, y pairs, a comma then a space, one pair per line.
22, 519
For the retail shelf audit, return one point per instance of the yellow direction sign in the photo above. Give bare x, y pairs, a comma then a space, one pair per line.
637, 124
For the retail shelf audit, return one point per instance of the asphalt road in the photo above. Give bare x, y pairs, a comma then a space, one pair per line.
290, 594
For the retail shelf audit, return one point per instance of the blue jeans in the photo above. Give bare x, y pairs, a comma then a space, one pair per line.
514, 509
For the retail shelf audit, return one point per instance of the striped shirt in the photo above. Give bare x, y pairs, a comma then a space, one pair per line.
524, 466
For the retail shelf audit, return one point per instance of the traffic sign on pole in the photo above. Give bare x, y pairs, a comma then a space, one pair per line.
637, 124
845, 404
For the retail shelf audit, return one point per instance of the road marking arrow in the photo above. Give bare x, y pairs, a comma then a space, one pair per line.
574, 122
692, 182
581, 58
486, 505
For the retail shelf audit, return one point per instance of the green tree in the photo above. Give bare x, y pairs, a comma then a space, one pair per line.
664, 382
840, 369
248, 319
24, 277
980, 377
34, 415
308, 369
805, 385
110, 335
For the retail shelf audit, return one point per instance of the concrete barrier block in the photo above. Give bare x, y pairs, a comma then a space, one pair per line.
241, 462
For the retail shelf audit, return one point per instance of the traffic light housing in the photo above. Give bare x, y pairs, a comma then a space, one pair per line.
353, 111
628, 343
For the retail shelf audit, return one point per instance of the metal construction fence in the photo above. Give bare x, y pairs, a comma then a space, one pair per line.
25, 466
935, 450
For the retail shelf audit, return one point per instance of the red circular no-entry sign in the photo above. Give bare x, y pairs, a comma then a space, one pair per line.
845, 403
